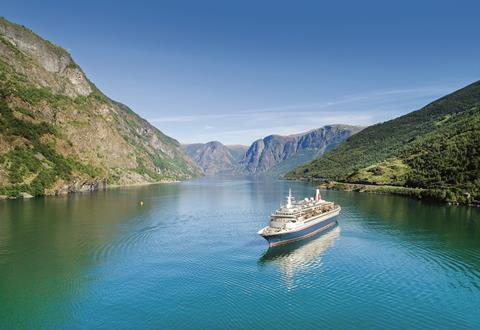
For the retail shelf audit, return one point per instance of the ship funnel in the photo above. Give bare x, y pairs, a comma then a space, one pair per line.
289, 198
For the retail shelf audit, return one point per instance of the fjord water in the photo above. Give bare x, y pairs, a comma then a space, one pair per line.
190, 258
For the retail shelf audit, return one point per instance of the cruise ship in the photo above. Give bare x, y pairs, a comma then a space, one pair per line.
297, 220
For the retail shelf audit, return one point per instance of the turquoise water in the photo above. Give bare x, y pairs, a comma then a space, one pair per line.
190, 258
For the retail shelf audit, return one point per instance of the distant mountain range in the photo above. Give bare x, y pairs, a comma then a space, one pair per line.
272, 155
434, 151
215, 158
59, 133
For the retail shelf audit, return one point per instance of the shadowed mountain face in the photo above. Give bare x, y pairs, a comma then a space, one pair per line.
237, 151
59, 133
276, 154
273, 155
215, 158
435, 149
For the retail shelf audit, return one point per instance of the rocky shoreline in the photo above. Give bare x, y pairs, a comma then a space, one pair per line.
84, 187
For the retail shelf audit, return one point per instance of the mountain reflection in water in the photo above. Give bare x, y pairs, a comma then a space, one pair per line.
302, 255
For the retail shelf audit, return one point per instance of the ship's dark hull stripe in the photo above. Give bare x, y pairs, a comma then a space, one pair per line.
301, 234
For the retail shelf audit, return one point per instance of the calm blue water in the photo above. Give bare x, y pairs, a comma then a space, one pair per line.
190, 258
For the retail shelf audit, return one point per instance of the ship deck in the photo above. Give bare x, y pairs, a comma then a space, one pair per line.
268, 231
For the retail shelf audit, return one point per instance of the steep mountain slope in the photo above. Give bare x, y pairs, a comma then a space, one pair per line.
237, 151
276, 154
59, 133
214, 157
435, 148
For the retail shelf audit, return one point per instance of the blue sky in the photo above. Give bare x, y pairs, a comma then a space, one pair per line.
235, 71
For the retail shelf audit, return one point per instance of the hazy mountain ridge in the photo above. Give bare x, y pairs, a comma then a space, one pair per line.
272, 155
215, 158
435, 149
59, 133
237, 151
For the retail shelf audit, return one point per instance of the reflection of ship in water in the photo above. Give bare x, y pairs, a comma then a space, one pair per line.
301, 255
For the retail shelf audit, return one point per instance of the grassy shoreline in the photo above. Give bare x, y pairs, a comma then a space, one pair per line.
416, 193
375, 189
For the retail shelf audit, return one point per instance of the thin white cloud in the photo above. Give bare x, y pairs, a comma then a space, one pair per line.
374, 96
174, 119
245, 126
250, 134
368, 96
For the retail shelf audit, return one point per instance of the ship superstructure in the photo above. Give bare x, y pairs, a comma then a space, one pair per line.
296, 220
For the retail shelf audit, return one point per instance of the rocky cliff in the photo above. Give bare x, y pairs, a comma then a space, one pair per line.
276, 154
59, 133
272, 155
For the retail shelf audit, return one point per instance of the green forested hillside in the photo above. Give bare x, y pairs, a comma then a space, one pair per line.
60, 134
436, 148
447, 160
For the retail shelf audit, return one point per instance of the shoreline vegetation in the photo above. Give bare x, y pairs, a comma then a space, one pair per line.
113, 186
416, 193
25, 195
